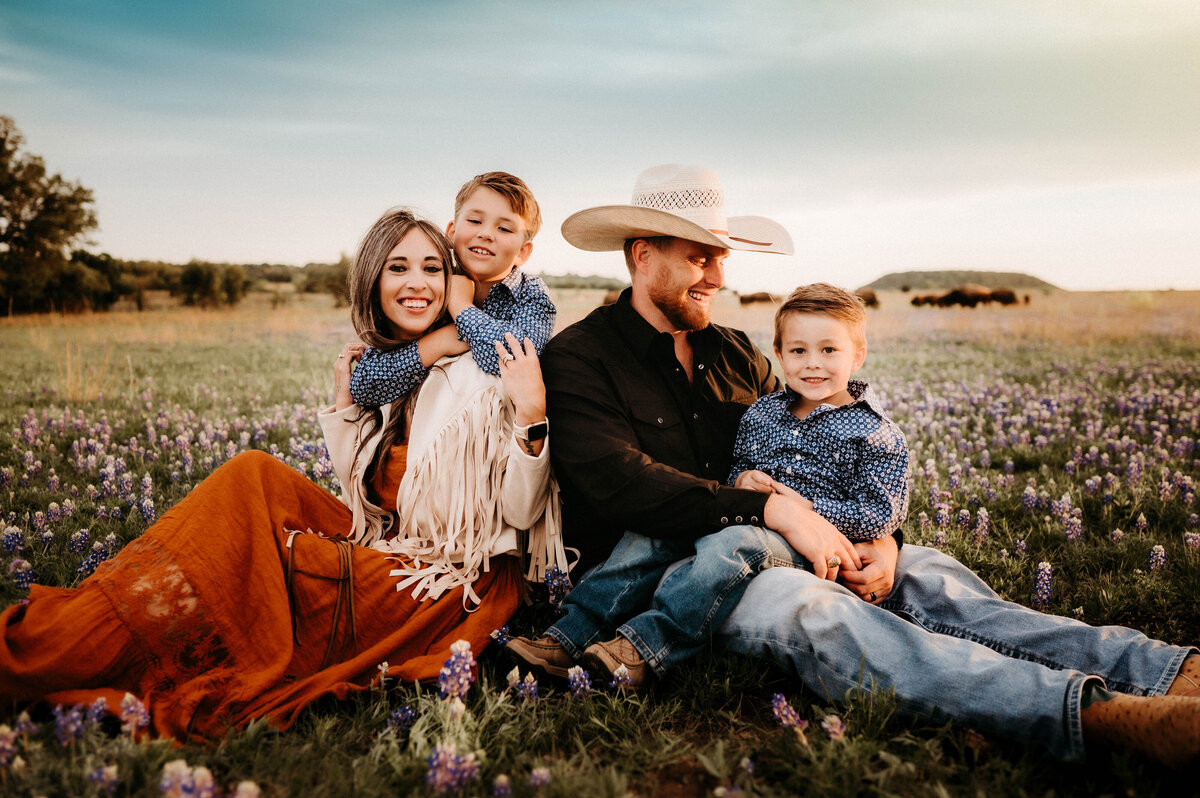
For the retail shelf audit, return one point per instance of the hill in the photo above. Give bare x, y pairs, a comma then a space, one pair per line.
945, 280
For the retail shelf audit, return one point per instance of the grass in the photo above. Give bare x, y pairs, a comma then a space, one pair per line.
992, 400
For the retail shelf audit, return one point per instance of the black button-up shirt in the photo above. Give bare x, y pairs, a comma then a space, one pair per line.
635, 445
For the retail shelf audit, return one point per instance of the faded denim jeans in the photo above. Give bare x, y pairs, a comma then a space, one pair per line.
949, 646
671, 618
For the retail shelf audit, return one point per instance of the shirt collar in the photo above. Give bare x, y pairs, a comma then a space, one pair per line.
640, 335
512, 281
860, 394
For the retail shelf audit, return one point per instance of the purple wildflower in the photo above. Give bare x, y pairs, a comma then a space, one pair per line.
79, 541
8, 745
558, 584
450, 771
834, 727
1043, 585
456, 676
620, 678
177, 779
134, 715
1192, 540
98, 710
1141, 524
1157, 560
22, 573
25, 725
1116, 536
528, 688
501, 636
11, 540
964, 519
923, 520
539, 777
983, 525
579, 681
502, 787
68, 724
105, 778
401, 719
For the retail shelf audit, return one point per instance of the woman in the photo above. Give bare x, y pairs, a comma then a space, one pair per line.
251, 597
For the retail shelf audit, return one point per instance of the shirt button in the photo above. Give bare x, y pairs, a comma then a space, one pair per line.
701, 367
754, 519
660, 420
708, 465
738, 519
724, 520
696, 416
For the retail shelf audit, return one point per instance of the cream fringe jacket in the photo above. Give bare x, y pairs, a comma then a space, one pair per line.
469, 491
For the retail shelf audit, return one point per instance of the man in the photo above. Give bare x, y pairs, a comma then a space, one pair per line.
644, 398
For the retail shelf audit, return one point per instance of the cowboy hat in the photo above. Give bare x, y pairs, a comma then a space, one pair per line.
680, 201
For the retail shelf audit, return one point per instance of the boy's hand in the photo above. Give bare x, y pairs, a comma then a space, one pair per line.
350, 354
753, 479
460, 294
784, 490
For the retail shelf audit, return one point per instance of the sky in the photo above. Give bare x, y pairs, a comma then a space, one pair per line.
1059, 139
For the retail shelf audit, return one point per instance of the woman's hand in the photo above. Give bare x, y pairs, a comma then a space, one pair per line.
522, 378
874, 581
342, 367
812, 536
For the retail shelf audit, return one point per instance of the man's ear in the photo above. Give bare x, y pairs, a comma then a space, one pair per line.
640, 252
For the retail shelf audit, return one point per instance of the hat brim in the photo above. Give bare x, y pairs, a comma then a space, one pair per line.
606, 228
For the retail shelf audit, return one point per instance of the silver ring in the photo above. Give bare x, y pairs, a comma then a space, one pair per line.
872, 595
509, 358
342, 355
834, 561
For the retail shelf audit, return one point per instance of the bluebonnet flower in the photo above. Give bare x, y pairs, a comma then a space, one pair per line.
539, 777
1029, 499
79, 541
47, 537
1021, 547
1043, 585
528, 689
134, 715
105, 778
68, 724
246, 789
501, 787
11, 540
1141, 524
1073, 527
983, 525
53, 513
97, 710
176, 780
964, 519
8, 745
985, 459
922, 520
939, 539
401, 719
834, 727
25, 725
941, 515
620, 678
22, 573
747, 764
1116, 536
450, 771
1192, 540
1157, 559
558, 584
579, 681
203, 784
98, 555
501, 636
456, 675
787, 717
149, 513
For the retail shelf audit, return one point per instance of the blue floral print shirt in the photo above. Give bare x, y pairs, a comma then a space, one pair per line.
519, 304
850, 461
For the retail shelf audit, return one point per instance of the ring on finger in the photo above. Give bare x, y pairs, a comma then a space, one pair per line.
509, 358
872, 595
834, 561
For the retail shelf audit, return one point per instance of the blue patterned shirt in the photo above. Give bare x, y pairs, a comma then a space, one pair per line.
519, 304
850, 461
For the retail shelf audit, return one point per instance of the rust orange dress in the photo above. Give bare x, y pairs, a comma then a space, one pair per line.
199, 618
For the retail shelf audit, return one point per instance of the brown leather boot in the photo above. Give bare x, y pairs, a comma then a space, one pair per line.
1164, 728
1188, 681
545, 654
605, 658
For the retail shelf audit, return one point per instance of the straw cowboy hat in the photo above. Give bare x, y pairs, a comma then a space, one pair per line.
675, 200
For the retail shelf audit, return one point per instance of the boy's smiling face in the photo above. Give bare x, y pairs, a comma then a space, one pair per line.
818, 355
488, 236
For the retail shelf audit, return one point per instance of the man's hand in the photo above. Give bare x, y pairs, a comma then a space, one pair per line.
812, 536
873, 582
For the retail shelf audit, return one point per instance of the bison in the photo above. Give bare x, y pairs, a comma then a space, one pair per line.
760, 296
1005, 296
966, 295
868, 297
923, 299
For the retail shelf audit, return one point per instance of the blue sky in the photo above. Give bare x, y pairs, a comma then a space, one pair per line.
1060, 139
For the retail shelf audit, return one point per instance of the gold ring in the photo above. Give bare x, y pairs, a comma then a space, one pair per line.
834, 561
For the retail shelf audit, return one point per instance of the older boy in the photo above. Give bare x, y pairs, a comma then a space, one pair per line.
823, 436
495, 220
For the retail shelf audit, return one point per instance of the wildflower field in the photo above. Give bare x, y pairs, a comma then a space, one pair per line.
1054, 452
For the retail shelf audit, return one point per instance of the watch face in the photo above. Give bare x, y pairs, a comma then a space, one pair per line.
536, 431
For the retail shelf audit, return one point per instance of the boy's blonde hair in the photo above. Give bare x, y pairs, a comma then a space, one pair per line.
828, 300
513, 189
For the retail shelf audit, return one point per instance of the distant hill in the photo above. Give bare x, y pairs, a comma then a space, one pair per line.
945, 280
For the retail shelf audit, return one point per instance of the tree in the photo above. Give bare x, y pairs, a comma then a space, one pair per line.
200, 284
234, 283
41, 217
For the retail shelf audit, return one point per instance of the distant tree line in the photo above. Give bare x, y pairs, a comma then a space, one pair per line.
947, 279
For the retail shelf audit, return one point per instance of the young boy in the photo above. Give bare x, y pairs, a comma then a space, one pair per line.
495, 220
825, 437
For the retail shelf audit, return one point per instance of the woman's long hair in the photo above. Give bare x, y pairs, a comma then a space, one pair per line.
372, 324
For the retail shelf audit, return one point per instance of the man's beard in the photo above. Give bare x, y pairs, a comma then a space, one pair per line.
675, 306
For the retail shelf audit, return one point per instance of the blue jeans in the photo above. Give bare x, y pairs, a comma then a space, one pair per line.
686, 605
949, 646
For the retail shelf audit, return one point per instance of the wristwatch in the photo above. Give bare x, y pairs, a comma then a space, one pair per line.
534, 432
